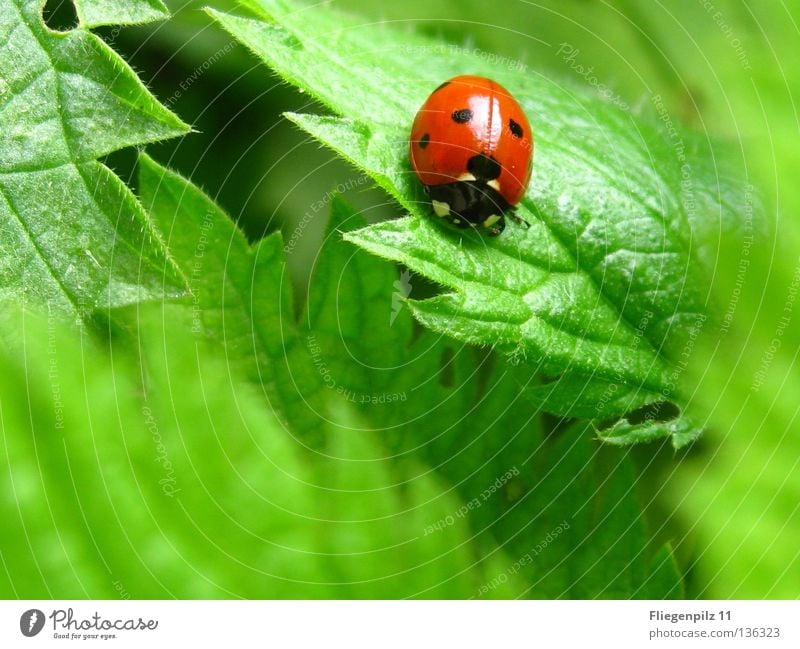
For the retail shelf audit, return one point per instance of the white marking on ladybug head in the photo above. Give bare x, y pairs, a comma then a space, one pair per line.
491, 220
494, 184
441, 208
466, 176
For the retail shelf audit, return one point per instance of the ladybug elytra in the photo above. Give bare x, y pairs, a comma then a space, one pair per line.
472, 147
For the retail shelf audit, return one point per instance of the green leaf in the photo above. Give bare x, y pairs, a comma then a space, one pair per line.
437, 408
609, 282
94, 13
240, 298
183, 490
516, 306
73, 235
555, 506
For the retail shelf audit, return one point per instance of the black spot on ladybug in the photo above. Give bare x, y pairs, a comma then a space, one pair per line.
516, 129
483, 167
424, 140
462, 115
441, 85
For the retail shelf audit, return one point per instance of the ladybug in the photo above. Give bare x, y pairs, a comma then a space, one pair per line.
472, 147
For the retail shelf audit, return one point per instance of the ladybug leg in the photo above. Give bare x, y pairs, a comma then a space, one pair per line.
494, 224
518, 219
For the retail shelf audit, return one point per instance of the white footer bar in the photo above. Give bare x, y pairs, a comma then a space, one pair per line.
399, 624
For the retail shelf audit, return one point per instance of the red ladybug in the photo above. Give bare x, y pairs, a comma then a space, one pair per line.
472, 147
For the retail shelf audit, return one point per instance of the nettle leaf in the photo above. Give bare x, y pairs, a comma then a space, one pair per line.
565, 517
94, 13
72, 234
429, 396
610, 282
439, 411
240, 298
